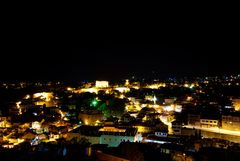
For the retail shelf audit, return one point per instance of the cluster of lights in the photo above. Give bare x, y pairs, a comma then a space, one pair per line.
44, 96
18, 107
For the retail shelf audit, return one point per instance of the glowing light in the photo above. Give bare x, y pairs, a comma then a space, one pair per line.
61, 113
154, 86
121, 96
94, 102
135, 87
192, 86
97, 122
122, 89
215, 129
112, 129
157, 85
154, 99
36, 125
169, 108
155, 141
126, 82
91, 90
178, 108
101, 84
186, 85
44, 96
167, 120
65, 119
189, 98
236, 104
18, 107
27, 96
18, 104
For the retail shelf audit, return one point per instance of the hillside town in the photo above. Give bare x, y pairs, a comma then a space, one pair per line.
194, 119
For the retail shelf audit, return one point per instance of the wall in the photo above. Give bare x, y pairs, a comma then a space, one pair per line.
115, 140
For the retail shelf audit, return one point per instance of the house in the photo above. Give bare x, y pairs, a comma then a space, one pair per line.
114, 136
209, 123
231, 121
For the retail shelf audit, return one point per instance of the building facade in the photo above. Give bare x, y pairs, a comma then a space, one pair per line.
231, 122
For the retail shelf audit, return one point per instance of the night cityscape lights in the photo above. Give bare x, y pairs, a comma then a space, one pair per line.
180, 117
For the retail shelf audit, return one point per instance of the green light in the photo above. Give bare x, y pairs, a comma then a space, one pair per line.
94, 102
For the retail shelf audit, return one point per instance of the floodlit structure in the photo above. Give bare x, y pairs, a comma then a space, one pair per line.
101, 84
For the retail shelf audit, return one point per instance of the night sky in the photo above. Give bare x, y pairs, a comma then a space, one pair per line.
119, 55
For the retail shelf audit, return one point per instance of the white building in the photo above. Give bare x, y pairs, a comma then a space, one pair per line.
209, 123
101, 84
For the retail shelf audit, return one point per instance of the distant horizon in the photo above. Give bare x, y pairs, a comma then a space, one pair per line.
120, 79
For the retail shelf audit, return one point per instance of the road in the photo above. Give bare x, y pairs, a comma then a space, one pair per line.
216, 130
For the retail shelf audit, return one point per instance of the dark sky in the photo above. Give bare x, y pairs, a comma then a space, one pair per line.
112, 52
114, 59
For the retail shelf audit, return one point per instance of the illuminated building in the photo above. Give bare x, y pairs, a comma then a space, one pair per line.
231, 121
101, 84
208, 123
